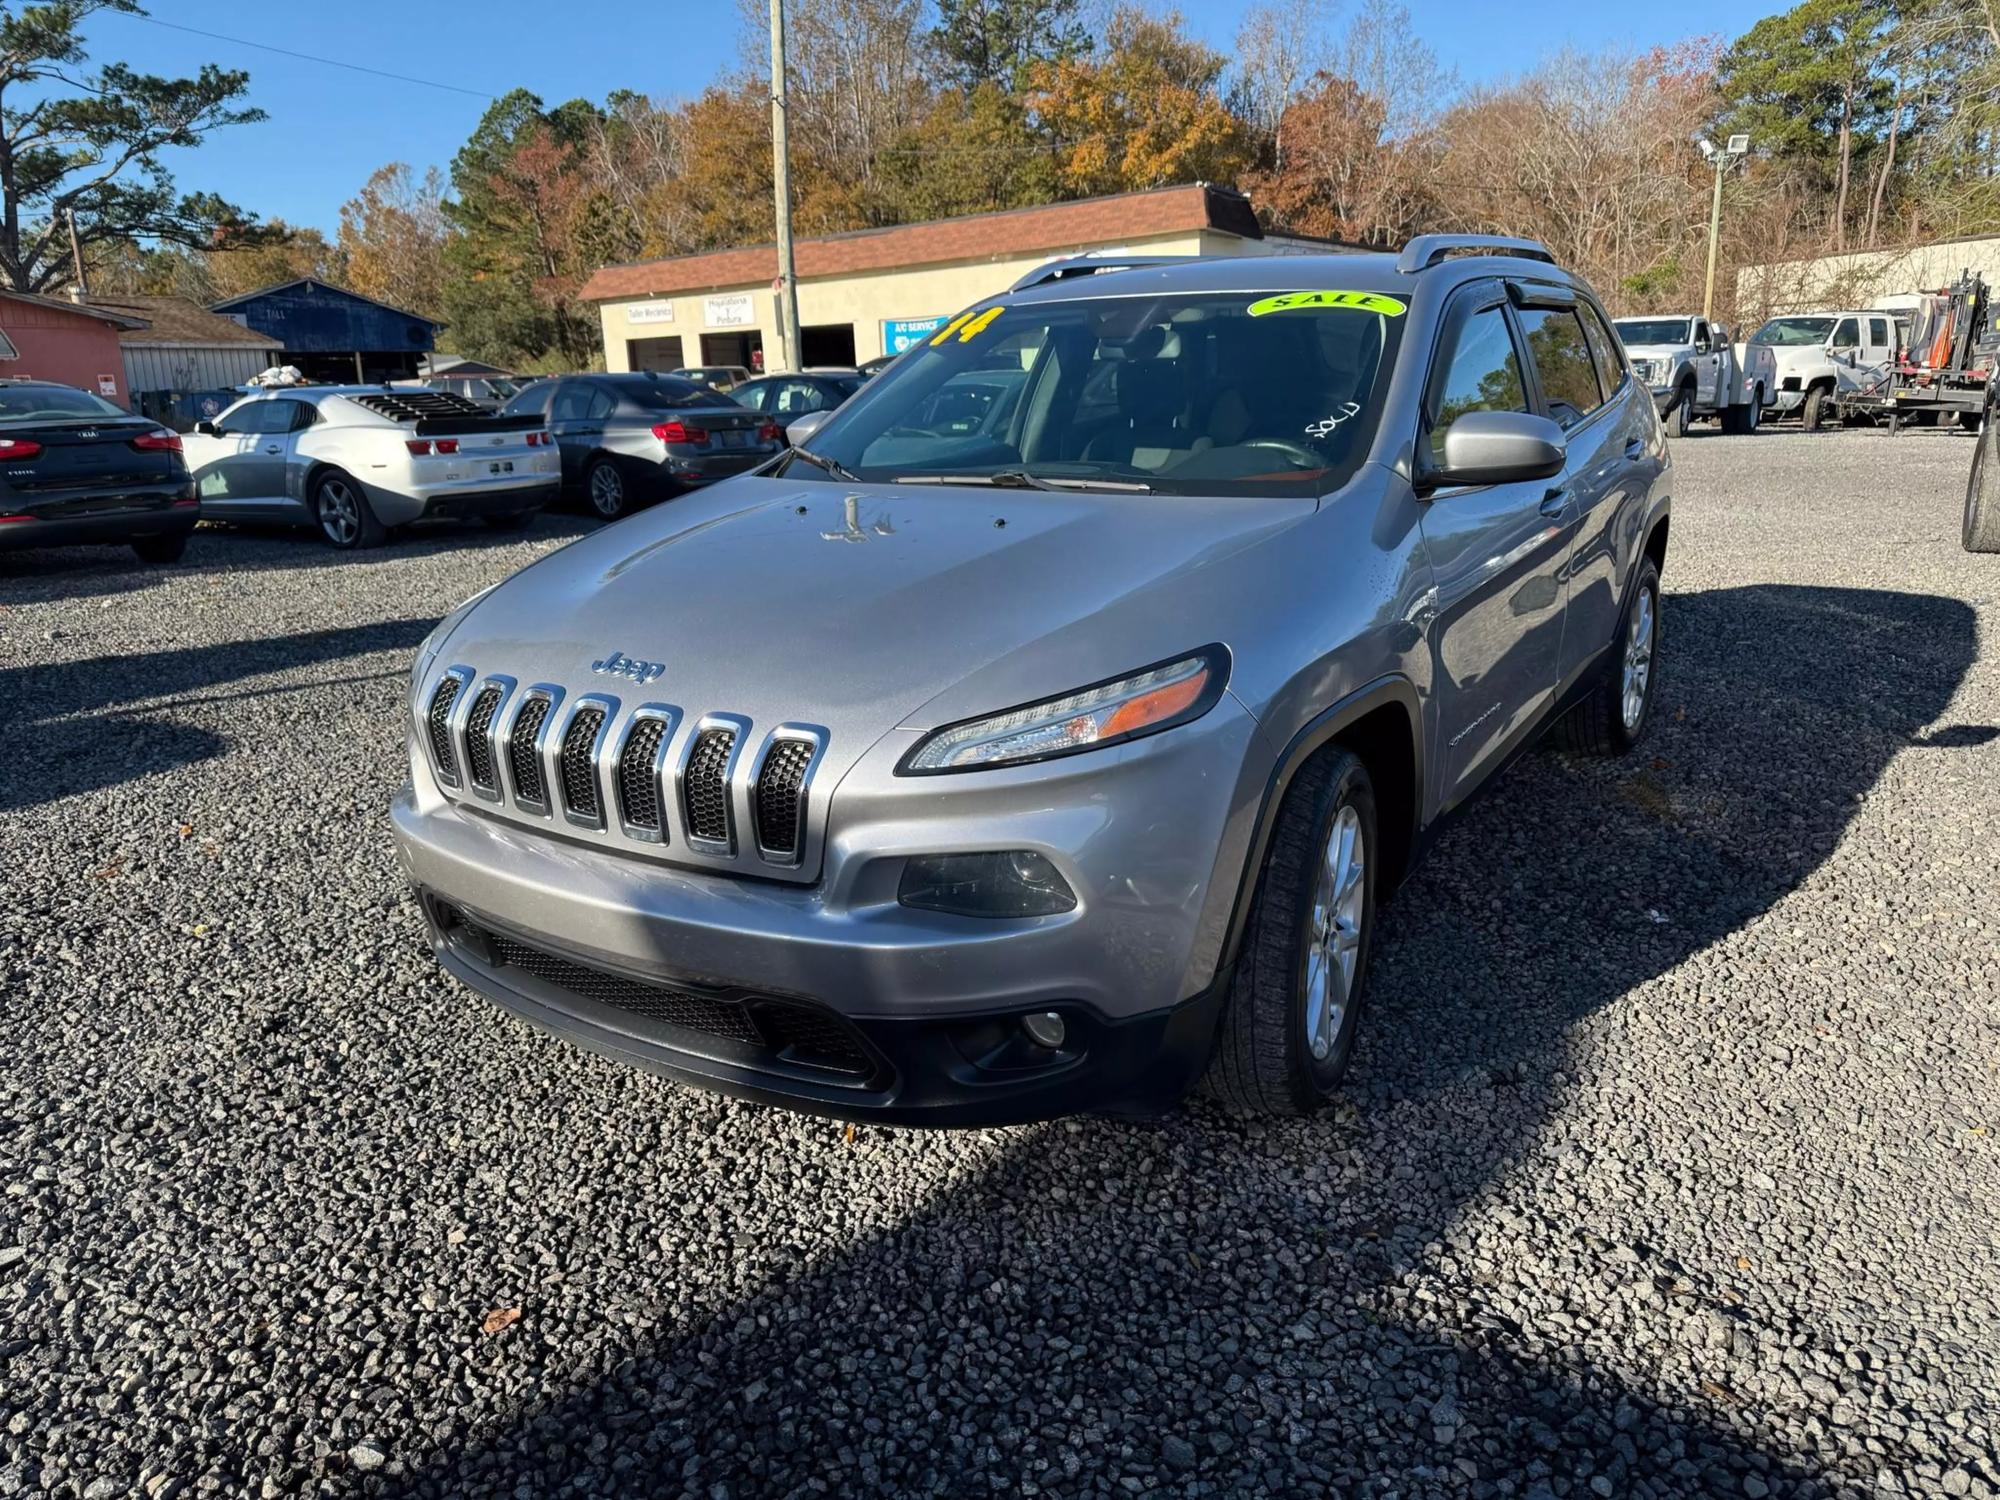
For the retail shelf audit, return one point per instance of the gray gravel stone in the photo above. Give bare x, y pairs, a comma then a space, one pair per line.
1649, 1208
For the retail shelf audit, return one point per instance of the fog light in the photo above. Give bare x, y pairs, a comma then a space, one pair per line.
1014, 883
1045, 1029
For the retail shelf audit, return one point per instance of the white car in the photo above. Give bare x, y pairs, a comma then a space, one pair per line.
354, 461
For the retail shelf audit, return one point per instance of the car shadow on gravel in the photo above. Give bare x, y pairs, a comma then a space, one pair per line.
63, 732
1349, 1304
49, 575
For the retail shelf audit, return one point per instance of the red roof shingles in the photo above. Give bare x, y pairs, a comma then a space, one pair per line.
978, 237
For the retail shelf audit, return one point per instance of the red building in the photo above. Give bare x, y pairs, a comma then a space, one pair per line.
44, 339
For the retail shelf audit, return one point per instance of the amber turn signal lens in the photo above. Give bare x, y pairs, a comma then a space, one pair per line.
1151, 708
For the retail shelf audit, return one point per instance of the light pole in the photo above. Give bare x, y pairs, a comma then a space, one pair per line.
1737, 148
781, 184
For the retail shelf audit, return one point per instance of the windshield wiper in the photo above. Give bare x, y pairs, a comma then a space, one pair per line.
832, 466
1021, 479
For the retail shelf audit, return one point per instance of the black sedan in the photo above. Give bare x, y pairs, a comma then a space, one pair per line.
76, 469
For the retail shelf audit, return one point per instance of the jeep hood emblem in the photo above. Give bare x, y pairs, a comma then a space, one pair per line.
618, 664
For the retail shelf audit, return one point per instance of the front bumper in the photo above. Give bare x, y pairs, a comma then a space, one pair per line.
1151, 850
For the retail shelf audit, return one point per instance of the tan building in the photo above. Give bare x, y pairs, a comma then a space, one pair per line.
873, 291
1864, 278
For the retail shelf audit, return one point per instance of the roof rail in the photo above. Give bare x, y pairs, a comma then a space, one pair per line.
1426, 250
1087, 265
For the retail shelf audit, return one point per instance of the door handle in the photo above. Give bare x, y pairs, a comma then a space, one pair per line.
1555, 502
1633, 448
274, 447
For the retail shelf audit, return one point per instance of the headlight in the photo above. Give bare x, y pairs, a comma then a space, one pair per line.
1125, 708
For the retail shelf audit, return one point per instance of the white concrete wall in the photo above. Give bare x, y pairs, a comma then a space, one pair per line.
1867, 278
867, 298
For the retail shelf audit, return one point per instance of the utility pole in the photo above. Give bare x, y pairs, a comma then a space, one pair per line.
781, 182
76, 259
1722, 161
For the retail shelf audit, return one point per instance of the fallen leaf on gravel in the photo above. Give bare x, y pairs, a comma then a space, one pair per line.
499, 1318
187, 830
850, 1135
201, 929
1742, 1262
110, 872
1720, 1392
1980, 1130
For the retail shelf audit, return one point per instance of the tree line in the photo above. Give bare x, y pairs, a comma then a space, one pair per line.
1874, 122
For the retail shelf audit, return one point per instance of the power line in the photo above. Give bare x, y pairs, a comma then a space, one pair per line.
331, 62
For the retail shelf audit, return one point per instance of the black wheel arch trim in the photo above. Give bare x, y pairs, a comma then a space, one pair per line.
1392, 690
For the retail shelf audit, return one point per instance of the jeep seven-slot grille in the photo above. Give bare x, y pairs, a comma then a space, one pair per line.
438, 723
539, 752
478, 748
579, 765
707, 793
792, 1031
529, 783
638, 791
781, 802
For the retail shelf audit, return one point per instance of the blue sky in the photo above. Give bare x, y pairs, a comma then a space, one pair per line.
329, 127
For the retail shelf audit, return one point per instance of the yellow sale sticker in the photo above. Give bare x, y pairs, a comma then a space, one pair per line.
965, 326
1375, 302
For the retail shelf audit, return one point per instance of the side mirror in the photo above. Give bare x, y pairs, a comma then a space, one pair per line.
800, 432
207, 429
1500, 447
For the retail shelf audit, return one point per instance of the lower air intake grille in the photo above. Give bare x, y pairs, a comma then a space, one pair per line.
789, 1031
579, 765
654, 1002
638, 792
529, 783
438, 724
478, 748
707, 794
781, 803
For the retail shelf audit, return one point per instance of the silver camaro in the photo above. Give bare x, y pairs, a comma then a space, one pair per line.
1042, 736
353, 461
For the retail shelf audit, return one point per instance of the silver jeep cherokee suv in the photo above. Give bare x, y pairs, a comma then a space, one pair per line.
1043, 738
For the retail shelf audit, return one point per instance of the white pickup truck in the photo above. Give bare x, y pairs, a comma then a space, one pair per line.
1823, 354
1690, 366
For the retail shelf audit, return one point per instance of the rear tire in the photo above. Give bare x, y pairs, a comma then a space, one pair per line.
1743, 420
345, 517
161, 549
1982, 495
1813, 413
1614, 715
1287, 1030
605, 488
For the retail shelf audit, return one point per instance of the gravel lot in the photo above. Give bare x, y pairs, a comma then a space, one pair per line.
1670, 1163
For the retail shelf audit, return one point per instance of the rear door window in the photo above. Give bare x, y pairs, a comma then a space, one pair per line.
572, 401
1481, 373
1562, 361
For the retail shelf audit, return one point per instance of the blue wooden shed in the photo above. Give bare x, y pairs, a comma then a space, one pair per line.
335, 335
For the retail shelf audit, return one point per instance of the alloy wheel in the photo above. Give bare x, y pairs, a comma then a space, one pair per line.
1333, 952
339, 512
607, 490
1638, 672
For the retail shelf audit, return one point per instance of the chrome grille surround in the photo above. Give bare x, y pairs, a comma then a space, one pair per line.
439, 731
691, 778
653, 773
777, 832
535, 710
592, 748
784, 743
477, 717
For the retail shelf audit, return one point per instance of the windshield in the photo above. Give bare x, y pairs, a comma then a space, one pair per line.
1237, 393
42, 403
1791, 332
1652, 330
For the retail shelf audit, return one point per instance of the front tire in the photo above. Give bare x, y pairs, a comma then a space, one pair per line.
1613, 717
1982, 495
1287, 1031
1814, 412
604, 485
345, 517
1683, 412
